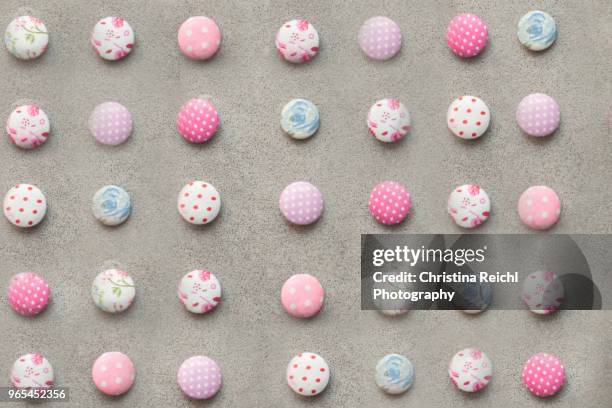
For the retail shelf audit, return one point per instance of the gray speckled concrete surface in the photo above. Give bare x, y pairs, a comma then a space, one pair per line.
250, 247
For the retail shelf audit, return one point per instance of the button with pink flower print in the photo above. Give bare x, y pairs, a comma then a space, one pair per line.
112, 38
113, 290
28, 126
199, 291
26, 37
388, 120
543, 292
469, 205
470, 370
297, 41
32, 371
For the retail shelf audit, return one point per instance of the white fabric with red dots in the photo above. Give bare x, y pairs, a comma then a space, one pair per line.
199, 202
308, 374
468, 117
25, 205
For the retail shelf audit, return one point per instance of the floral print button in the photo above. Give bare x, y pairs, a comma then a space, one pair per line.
198, 120
25, 205
111, 205
199, 291
113, 291
537, 30
199, 202
199, 377
467, 35
297, 41
113, 373
470, 370
388, 120
539, 207
301, 203
538, 115
199, 38
543, 292
32, 371
468, 117
112, 38
110, 123
380, 38
28, 294
394, 374
469, 205
389, 202
300, 118
26, 37
543, 374
308, 374
28, 126
302, 295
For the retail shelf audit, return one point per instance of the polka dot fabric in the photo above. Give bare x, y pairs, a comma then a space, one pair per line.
302, 295
468, 117
110, 123
539, 207
25, 205
199, 377
199, 38
538, 115
198, 120
28, 294
467, 35
113, 373
543, 375
380, 38
199, 202
389, 202
301, 203
308, 374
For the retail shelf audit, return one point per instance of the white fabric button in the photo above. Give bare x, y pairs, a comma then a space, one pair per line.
468, 117
26, 37
308, 374
25, 205
199, 291
113, 290
28, 126
388, 120
199, 202
32, 371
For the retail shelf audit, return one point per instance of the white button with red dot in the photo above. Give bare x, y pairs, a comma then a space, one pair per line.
25, 205
468, 117
308, 374
199, 202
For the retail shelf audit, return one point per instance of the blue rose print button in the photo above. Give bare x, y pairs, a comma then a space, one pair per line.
394, 374
300, 118
111, 205
537, 30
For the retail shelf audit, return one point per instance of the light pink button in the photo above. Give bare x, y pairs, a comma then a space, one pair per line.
389, 202
113, 373
199, 38
467, 35
28, 294
198, 120
380, 38
199, 377
538, 115
539, 207
543, 374
302, 295
301, 203
297, 41
110, 123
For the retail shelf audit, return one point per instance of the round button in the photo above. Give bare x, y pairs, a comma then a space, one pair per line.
199, 202
469, 205
198, 120
25, 205
113, 373
302, 295
472, 297
537, 30
113, 291
308, 374
199, 291
393, 312
32, 371
112, 38
543, 374
297, 41
111, 205
110, 123
380, 38
26, 37
539, 207
467, 35
388, 120
28, 294
468, 117
199, 38
199, 377
300, 118
301, 203
28, 126
543, 292
394, 374
470, 370
389, 202
538, 115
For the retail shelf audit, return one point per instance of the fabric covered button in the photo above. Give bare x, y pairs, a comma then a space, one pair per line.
308, 374
110, 123
539, 207
393, 312
111, 205
470, 370
300, 118
113, 291
199, 37
198, 120
28, 294
28, 126
297, 41
112, 38
394, 374
469, 205
388, 120
199, 291
25, 205
380, 38
389, 202
543, 292
467, 35
113, 373
537, 30
543, 374
301, 203
26, 37
302, 295
199, 202
538, 115
32, 371
468, 117
199, 377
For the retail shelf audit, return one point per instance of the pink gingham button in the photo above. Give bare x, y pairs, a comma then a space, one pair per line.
543, 374
28, 294
538, 115
113, 373
380, 38
302, 295
199, 38
389, 202
110, 123
301, 203
199, 377
198, 120
539, 207
467, 35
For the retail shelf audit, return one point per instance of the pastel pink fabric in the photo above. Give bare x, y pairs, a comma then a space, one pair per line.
389, 202
543, 374
198, 120
110, 123
467, 35
199, 37
538, 115
301, 203
113, 373
28, 294
380, 38
302, 295
539, 207
199, 377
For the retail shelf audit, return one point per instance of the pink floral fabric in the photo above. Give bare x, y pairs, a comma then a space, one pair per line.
26, 37
198, 120
28, 294
468, 117
113, 373
297, 41
538, 115
301, 203
199, 38
470, 370
543, 374
28, 126
467, 35
388, 120
112, 38
32, 371
302, 295
469, 206
199, 377
543, 292
539, 207
199, 291
389, 202
380, 38
110, 123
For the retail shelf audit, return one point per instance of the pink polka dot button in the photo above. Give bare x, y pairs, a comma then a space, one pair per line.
539, 207
199, 38
110, 123
538, 115
297, 41
25, 205
198, 120
467, 35
380, 38
199, 377
301, 203
389, 202
28, 294
302, 295
113, 373
543, 375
